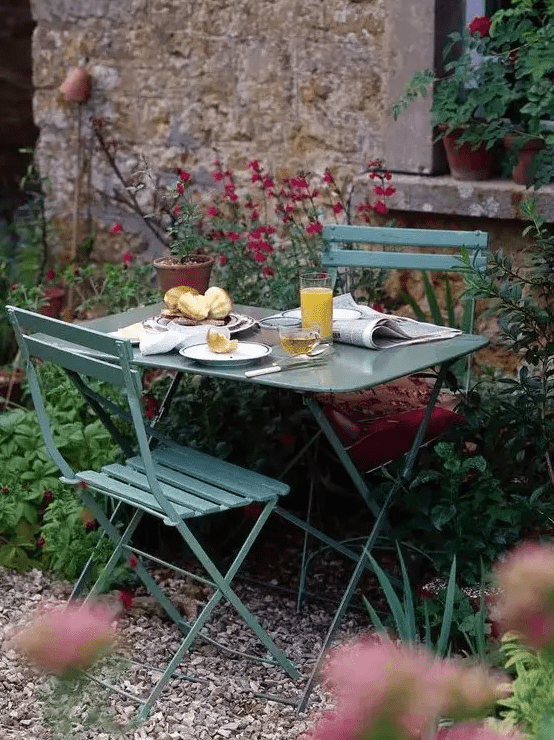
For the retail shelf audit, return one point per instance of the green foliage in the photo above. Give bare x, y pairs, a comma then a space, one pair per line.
112, 287
437, 622
530, 706
74, 707
28, 471
450, 495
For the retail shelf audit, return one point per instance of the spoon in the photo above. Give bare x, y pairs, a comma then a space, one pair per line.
299, 360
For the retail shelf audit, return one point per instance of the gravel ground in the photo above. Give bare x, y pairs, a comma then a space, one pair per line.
222, 705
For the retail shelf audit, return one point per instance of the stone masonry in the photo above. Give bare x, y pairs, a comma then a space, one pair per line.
298, 84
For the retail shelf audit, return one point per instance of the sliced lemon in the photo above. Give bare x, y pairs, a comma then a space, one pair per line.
219, 343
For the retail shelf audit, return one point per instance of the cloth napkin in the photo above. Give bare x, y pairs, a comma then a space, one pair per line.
158, 343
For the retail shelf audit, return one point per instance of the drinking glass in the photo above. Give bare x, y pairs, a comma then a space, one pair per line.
296, 340
316, 303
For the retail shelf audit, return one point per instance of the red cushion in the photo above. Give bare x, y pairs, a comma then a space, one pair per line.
377, 441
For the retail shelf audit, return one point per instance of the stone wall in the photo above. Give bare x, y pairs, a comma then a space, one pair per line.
299, 84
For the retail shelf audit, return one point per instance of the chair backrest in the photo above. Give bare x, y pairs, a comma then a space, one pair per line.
84, 353
411, 249
425, 241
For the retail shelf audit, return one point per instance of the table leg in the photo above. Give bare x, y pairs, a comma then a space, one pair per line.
370, 542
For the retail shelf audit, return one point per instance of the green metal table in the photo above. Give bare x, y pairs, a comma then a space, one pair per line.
348, 369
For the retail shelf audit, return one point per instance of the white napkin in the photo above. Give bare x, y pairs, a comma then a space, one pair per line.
160, 342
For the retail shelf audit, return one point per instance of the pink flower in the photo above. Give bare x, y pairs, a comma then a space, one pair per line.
481, 25
254, 165
132, 561
184, 176
233, 236
217, 176
381, 208
117, 228
314, 228
526, 601
328, 177
180, 188
127, 257
387, 192
222, 260
337, 207
213, 211
67, 637
176, 210
260, 257
50, 274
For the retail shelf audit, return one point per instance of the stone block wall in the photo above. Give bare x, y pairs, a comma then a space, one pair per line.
298, 84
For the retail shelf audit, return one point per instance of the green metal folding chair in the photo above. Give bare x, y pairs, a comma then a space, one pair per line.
172, 483
410, 249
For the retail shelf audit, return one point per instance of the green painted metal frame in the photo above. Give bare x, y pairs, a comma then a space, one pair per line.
170, 482
334, 256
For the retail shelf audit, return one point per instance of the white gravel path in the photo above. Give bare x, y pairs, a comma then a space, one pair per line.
222, 705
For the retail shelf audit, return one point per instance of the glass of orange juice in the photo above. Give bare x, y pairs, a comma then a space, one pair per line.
316, 303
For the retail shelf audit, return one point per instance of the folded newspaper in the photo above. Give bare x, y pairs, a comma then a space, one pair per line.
377, 330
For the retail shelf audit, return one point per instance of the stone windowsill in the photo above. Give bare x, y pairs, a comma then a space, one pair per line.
486, 198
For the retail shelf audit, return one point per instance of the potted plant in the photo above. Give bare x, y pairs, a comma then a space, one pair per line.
523, 37
188, 262
470, 101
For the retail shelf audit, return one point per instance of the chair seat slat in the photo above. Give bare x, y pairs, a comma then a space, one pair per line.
189, 493
399, 237
255, 486
395, 260
129, 494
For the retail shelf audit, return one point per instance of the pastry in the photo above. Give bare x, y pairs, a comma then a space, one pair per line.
193, 306
219, 343
171, 298
219, 301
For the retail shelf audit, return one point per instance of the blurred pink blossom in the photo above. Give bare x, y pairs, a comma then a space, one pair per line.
67, 637
525, 579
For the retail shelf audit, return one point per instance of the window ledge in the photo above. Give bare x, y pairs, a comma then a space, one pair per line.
485, 198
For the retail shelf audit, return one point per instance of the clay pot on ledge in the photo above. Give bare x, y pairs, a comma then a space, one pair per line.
195, 274
467, 163
525, 156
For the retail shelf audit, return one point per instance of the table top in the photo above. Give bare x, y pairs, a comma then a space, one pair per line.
348, 369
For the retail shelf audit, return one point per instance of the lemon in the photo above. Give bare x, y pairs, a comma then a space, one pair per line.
219, 343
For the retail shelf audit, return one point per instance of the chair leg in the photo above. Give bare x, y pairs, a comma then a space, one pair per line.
379, 523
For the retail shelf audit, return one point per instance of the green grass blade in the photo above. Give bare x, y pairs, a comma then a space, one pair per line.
467, 317
449, 302
448, 611
411, 301
379, 626
427, 625
432, 300
399, 617
409, 610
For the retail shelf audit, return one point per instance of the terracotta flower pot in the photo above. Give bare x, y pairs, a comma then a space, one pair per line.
55, 298
467, 163
77, 86
194, 274
525, 156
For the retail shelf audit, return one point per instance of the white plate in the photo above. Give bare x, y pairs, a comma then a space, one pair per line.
245, 354
339, 314
237, 323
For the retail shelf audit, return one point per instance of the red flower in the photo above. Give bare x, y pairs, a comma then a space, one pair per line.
41, 541
337, 207
327, 177
126, 598
127, 257
213, 211
260, 257
4, 489
47, 497
150, 405
254, 165
176, 210
314, 228
132, 561
268, 271
217, 176
481, 25
233, 236
180, 188
50, 275
381, 208
184, 176
254, 215
117, 228
387, 192
222, 260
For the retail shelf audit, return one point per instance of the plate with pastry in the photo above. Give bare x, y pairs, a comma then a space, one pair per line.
220, 351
